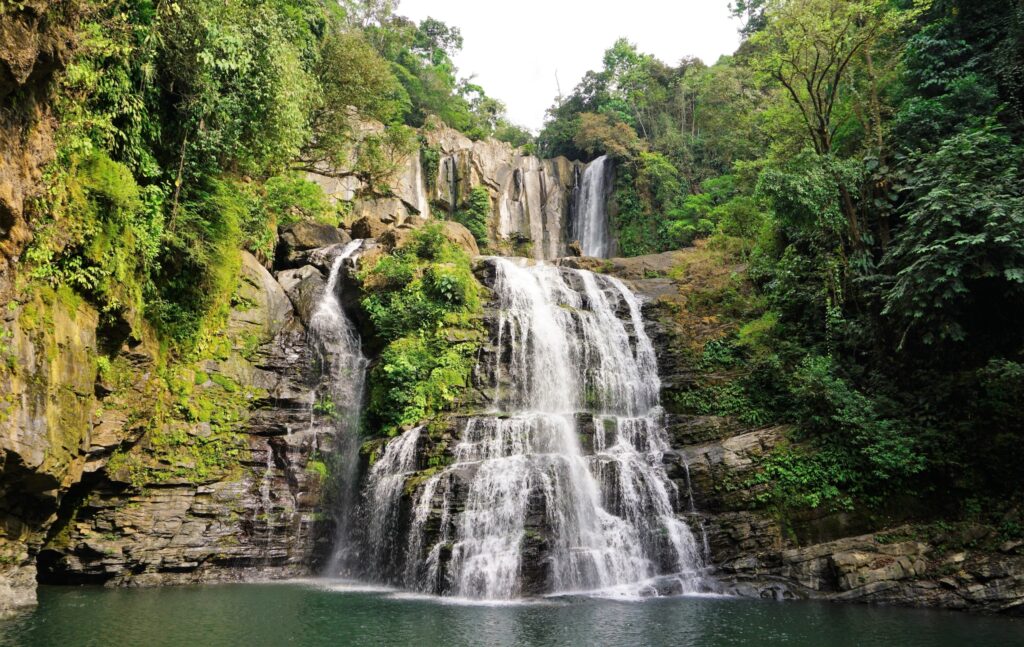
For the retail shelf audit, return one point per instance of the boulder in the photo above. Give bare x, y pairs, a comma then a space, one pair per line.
303, 287
460, 236
453, 231
262, 308
298, 239
389, 211
369, 226
395, 238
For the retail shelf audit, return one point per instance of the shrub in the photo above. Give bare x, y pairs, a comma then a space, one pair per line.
475, 214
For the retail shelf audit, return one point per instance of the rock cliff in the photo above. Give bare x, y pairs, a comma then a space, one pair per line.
531, 198
120, 469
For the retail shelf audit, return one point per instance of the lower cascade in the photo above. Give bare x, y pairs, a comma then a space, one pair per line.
557, 484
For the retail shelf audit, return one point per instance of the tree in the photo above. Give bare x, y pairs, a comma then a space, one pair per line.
601, 134
351, 74
810, 48
958, 262
366, 13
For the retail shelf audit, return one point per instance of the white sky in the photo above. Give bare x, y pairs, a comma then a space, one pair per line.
514, 48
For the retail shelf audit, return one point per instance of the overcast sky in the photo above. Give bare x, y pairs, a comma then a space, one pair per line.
515, 48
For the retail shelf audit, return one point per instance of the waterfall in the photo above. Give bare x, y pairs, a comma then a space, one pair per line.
590, 212
342, 366
524, 506
453, 184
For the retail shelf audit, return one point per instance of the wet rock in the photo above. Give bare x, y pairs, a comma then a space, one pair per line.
260, 305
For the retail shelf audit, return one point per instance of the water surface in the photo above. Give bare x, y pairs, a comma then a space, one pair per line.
317, 613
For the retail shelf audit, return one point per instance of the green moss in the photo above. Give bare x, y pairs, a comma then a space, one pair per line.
250, 344
224, 382
103, 366
475, 214
318, 469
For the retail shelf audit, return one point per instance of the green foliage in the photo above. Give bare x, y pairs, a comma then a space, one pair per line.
960, 250
475, 214
318, 469
290, 198
378, 156
424, 303
418, 376
236, 77
430, 161
797, 478
199, 262
601, 133
741, 396
863, 159
834, 413
102, 236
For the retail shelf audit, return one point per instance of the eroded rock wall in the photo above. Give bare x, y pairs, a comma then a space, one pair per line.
531, 198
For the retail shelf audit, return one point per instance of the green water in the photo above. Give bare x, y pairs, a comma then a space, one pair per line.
313, 614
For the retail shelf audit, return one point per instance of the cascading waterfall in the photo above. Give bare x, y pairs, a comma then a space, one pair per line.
524, 507
590, 218
342, 366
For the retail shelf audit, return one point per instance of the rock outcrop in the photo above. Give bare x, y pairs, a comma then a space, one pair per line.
118, 469
298, 240
228, 492
37, 40
531, 198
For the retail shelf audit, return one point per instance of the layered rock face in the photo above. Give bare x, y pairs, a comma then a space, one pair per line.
37, 458
532, 198
112, 490
101, 485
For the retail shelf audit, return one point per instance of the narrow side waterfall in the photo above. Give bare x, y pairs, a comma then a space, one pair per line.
560, 487
342, 367
590, 213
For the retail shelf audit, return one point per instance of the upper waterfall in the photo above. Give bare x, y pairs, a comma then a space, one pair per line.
590, 212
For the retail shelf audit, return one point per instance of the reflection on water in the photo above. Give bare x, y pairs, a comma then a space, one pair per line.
312, 613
